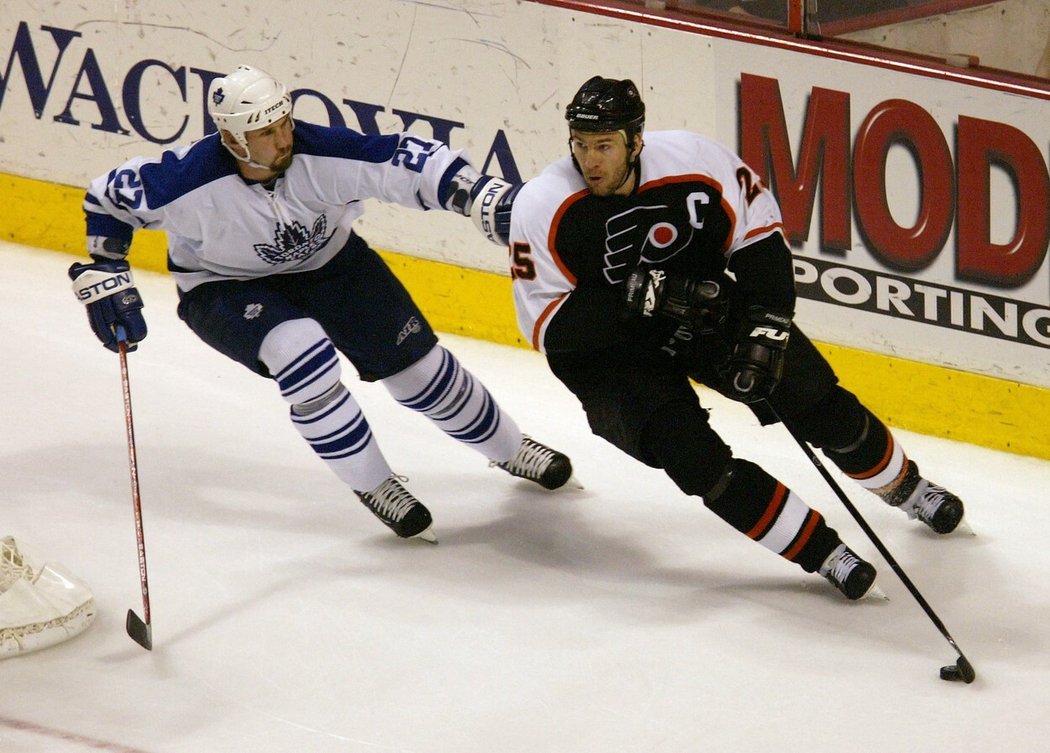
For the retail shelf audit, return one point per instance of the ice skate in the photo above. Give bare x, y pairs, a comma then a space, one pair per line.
397, 508
537, 462
851, 575
936, 507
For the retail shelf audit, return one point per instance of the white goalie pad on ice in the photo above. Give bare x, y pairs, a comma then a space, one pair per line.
40, 605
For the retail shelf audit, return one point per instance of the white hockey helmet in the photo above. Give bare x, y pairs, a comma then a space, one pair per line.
245, 100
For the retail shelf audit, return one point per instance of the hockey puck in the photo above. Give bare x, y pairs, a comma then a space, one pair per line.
962, 670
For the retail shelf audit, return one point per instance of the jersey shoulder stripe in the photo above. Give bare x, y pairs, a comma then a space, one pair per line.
344, 143
185, 169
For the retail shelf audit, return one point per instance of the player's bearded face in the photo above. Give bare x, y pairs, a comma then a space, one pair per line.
604, 160
272, 146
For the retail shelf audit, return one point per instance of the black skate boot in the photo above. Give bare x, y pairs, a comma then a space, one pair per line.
536, 462
397, 508
933, 505
848, 572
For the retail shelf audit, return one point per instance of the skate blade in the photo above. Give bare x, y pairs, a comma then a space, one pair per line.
571, 483
964, 527
875, 593
427, 535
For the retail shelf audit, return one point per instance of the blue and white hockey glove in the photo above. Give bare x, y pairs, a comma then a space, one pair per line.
114, 306
492, 200
486, 199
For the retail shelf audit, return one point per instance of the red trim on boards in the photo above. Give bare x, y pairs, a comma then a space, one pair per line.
898, 15
833, 49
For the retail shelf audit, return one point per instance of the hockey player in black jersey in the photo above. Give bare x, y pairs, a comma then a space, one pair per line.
640, 263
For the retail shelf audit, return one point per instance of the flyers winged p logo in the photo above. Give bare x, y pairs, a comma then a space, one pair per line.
649, 234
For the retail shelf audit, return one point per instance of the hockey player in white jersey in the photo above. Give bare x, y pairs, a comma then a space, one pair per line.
619, 253
271, 273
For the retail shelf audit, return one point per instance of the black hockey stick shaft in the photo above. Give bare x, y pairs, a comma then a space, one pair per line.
140, 630
871, 535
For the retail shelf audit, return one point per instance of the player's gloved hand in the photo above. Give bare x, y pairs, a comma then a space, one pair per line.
757, 363
491, 201
114, 306
649, 292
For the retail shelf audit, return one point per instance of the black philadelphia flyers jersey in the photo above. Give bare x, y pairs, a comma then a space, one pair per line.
695, 205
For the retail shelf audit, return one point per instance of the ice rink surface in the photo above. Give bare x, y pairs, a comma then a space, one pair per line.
622, 617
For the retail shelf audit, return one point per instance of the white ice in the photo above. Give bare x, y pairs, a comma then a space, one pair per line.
618, 618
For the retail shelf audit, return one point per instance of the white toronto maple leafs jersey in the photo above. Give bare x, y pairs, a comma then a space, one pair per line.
696, 204
220, 226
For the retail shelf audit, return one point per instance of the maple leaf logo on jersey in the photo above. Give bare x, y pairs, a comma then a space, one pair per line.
649, 235
293, 241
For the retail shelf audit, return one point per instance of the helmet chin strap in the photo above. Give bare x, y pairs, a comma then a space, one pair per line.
247, 158
631, 164
253, 163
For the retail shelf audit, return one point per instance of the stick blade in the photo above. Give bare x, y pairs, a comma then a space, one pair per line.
139, 631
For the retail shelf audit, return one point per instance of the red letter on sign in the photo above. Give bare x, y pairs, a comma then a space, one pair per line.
982, 144
824, 154
898, 121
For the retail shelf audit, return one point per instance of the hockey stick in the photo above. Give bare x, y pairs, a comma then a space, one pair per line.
140, 631
962, 669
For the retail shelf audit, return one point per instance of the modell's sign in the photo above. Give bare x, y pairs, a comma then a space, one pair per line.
951, 180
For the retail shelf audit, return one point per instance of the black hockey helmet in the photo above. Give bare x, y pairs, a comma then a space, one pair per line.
607, 104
